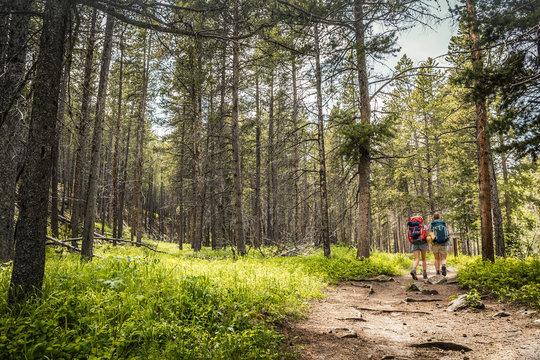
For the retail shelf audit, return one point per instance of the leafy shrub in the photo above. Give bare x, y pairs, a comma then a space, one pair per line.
509, 279
473, 299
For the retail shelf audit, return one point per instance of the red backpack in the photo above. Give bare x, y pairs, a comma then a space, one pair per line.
417, 233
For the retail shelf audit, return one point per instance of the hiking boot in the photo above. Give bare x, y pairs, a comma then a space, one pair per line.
444, 270
438, 272
424, 274
413, 274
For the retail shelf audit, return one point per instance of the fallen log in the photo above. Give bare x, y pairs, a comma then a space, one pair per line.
420, 300
72, 240
392, 310
380, 278
353, 319
367, 286
443, 346
100, 237
70, 247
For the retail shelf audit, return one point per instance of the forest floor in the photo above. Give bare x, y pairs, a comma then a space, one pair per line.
352, 323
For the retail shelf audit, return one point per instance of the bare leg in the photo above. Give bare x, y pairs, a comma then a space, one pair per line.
416, 261
424, 265
442, 259
437, 261
416, 258
443, 262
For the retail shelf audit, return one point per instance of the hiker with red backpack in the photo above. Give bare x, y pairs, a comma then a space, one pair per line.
441, 242
419, 245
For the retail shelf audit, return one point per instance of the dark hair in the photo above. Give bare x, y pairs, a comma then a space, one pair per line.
436, 216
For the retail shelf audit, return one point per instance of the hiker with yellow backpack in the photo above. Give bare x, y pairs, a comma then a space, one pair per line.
438, 233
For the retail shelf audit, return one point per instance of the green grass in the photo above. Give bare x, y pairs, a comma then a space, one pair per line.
343, 264
137, 304
509, 279
460, 261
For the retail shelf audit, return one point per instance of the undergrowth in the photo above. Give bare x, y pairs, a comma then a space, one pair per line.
509, 279
138, 304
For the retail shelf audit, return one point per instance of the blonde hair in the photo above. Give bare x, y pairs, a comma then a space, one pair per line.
436, 216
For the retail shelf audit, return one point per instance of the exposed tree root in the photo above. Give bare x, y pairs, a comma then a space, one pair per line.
442, 345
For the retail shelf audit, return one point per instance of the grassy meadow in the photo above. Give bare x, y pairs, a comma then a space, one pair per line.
138, 304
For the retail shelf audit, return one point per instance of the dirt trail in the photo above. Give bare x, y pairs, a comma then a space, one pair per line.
340, 326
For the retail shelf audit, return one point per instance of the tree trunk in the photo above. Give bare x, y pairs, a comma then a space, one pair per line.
122, 185
138, 192
106, 192
482, 140
270, 231
31, 228
237, 168
364, 166
325, 232
222, 202
428, 166
258, 205
195, 61
507, 200
297, 201
84, 132
498, 229
5, 9
117, 144
277, 221
56, 149
12, 61
212, 136
181, 221
87, 249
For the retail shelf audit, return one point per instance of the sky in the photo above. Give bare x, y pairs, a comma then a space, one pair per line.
420, 42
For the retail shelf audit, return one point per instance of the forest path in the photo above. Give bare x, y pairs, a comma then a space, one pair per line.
340, 326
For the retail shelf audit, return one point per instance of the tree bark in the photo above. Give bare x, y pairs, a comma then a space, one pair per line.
56, 148
297, 201
13, 52
87, 248
138, 192
507, 200
106, 188
364, 165
212, 136
5, 8
195, 61
428, 165
222, 202
270, 231
181, 221
324, 230
122, 185
83, 132
482, 140
237, 168
498, 230
117, 143
258, 205
31, 228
